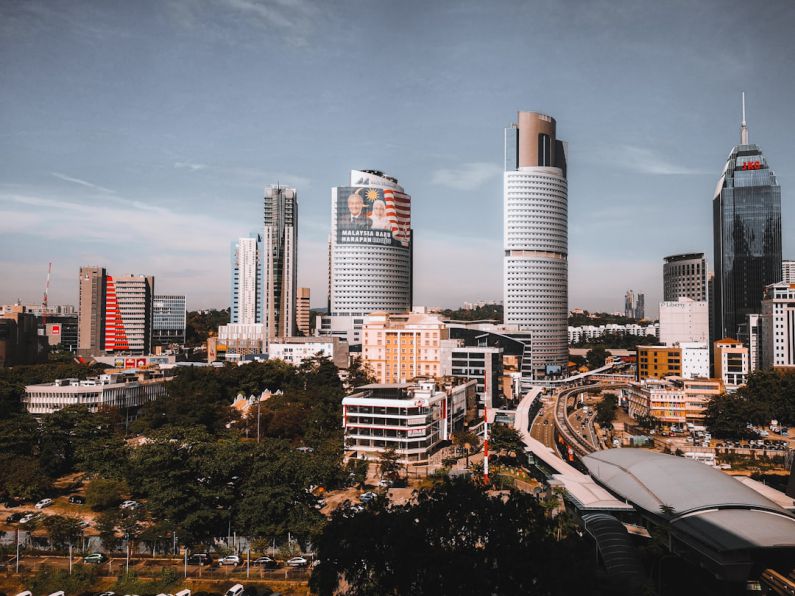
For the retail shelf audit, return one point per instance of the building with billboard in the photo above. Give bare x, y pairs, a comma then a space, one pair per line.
684, 320
412, 418
280, 262
169, 315
747, 235
778, 326
685, 276
536, 241
401, 347
370, 253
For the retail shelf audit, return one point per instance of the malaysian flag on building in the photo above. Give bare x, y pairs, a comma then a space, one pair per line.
398, 212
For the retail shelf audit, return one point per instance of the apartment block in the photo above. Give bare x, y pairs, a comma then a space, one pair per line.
658, 362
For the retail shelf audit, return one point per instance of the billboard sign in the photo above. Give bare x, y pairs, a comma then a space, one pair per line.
369, 215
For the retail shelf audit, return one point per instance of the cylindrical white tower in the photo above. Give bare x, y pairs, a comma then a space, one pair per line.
535, 194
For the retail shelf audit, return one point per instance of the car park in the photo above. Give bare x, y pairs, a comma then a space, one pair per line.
233, 560
385, 483
77, 499
43, 503
297, 562
95, 558
367, 497
265, 562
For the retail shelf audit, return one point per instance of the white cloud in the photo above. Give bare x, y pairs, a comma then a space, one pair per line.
85, 183
648, 161
468, 176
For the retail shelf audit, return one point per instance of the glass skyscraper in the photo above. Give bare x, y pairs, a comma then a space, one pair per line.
747, 235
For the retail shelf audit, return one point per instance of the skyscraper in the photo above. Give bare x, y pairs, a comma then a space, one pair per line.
91, 311
128, 314
302, 311
246, 302
629, 304
640, 307
747, 235
535, 283
280, 261
370, 253
685, 276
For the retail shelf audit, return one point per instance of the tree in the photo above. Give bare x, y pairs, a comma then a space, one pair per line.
359, 373
21, 477
452, 539
596, 357
104, 493
106, 526
467, 441
62, 530
648, 422
388, 465
506, 440
606, 409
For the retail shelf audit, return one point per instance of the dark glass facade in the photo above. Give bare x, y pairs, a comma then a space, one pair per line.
747, 237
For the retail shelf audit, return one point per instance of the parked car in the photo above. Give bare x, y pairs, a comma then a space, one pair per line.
235, 590
297, 562
367, 497
385, 483
200, 559
28, 517
11, 504
107, 594
77, 499
43, 503
230, 560
95, 558
130, 505
14, 517
265, 562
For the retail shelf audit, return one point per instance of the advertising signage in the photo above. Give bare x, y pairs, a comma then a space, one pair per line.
367, 215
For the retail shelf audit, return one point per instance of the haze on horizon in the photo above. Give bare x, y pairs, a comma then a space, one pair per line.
139, 136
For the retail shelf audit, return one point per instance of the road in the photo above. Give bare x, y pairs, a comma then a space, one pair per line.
543, 429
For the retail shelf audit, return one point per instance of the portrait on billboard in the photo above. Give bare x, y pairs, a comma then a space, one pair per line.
367, 215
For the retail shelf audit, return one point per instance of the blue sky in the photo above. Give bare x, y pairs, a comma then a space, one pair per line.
139, 135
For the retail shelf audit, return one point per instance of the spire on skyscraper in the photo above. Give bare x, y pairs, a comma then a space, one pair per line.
743, 126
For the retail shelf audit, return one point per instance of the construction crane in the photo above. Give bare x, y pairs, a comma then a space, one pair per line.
44, 300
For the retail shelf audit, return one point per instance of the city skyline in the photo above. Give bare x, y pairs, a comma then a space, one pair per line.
106, 168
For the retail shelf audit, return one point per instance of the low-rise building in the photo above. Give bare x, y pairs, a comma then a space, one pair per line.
295, 350
412, 418
658, 362
241, 339
695, 360
731, 362
127, 391
675, 402
401, 347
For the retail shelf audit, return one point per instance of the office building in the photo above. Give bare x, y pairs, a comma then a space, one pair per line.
280, 262
658, 362
695, 360
246, 300
126, 392
401, 347
20, 342
747, 235
731, 363
778, 326
629, 305
685, 276
788, 272
370, 253
91, 310
684, 320
128, 314
237, 340
294, 350
302, 311
536, 243
412, 418
61, 331
481, 363
676, 403
168, 320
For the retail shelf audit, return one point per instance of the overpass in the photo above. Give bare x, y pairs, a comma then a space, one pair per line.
583, 492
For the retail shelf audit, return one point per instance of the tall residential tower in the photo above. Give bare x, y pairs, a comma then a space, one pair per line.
246, 303
747, 235
280, 262
535, 283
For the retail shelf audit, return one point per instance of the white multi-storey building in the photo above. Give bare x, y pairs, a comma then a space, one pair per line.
246, 303
128, 316
370, 253
684, 320
585, 332
294, 350
280, 262
695, 360
788, 272
778, 326
535, 283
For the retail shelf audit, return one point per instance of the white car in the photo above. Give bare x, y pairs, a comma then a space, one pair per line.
43, 503
129, 505
230, 560
28, 517
297, 562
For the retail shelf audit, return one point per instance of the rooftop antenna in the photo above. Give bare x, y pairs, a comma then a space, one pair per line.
743, 126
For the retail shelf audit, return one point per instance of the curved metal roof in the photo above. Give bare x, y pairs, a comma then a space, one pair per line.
671, 486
